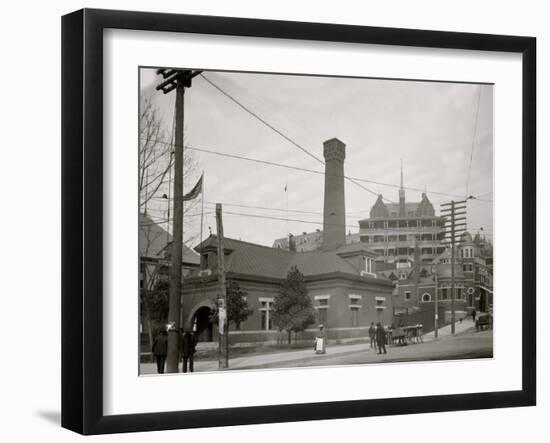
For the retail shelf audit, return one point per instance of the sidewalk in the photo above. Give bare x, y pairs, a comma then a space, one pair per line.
460, 327
261, 359
301, 354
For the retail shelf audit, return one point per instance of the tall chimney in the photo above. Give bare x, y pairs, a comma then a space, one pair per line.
334, 214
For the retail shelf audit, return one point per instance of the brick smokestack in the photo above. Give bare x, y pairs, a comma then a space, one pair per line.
334, 214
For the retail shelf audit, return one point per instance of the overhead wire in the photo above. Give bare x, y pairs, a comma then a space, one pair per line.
312, 171
473, 141
280, 133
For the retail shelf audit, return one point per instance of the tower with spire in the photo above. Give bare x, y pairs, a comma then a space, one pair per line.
402, 210
403, 232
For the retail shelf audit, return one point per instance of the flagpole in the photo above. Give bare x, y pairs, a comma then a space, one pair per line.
286, 194
202, 206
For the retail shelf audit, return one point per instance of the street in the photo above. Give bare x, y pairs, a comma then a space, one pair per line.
469, 345
466, 344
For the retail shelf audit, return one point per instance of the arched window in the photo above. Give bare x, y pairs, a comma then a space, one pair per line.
426, 297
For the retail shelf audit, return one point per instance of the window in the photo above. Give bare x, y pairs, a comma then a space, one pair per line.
322, 316
407, 295
367, 265
380, 303
266, 321
354, 317
444, 294
459, 294
402, 276
322, 308
426, 297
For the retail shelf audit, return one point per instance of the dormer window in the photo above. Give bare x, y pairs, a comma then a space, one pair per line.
368, 265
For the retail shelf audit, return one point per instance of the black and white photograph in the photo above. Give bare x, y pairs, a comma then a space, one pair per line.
292, 221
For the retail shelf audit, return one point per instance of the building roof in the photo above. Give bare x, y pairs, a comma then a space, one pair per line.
467, 240
322, 262
393, 208
257, 260
381, 210
251, 258
153, 241
309, 241
355, 248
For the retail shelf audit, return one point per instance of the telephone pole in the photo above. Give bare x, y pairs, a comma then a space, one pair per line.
455, 226
436, 304
223, 323
179, 80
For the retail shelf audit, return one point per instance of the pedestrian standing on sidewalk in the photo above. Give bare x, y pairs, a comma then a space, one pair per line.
474, 315
160, 349
188, 347
381, 338
372, 335
320, 341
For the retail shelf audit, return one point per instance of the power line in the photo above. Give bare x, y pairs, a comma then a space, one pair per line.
277, 131
473, 141
285, 219
298, 211
256, 116
164, 220
312, 171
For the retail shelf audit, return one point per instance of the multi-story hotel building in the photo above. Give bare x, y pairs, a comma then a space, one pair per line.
394, 229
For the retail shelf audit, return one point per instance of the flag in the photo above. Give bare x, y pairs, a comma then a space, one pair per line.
194, 193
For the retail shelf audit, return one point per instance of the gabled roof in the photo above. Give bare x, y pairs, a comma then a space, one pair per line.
381, 210
322, 262
263, 261
153, 241
251, 258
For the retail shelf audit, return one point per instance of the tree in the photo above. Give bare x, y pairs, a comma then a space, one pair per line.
292, 307
156, 159
237, 306
153, 297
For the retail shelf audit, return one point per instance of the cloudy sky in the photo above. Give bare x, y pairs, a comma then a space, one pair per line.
430, 126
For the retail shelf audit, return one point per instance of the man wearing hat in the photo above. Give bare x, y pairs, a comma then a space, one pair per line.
188, 344
381, 338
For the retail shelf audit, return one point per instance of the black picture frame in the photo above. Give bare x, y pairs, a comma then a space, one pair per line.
82, 219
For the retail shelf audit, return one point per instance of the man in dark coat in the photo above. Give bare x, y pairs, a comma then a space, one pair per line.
372, 335
160, 349
188, 344
381, 338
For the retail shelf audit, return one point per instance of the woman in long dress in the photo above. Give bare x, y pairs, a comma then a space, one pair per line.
320, 341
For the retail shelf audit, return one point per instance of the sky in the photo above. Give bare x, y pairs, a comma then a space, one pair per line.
441, 132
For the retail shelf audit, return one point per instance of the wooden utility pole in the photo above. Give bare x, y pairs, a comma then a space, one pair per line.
178, 80
436, 305
455, 226
223, 321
